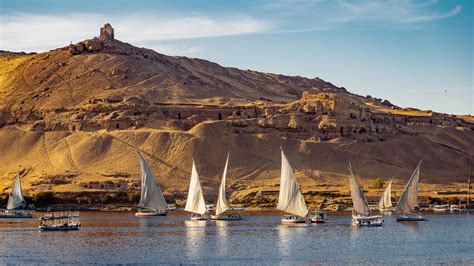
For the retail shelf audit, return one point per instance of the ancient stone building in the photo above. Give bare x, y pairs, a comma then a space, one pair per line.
106, 32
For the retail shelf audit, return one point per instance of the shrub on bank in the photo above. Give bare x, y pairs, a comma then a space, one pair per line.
43, 198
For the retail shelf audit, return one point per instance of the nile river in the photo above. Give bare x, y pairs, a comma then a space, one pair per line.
123, 238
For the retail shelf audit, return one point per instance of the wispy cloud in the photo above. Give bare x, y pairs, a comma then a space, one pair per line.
32, 32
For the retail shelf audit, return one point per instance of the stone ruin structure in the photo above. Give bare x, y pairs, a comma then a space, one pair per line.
106, 33
95, 44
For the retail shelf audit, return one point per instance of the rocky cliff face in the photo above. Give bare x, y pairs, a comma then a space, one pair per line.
73, 119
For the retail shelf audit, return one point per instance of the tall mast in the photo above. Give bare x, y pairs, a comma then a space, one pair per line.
469, 183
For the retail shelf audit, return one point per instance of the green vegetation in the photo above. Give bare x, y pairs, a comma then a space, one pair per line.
378, 183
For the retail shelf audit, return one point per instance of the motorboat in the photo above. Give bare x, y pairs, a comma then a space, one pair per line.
317, 216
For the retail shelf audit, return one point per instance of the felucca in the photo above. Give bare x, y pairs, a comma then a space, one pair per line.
361, 215
152, 201
407, 206
222, 206
385, 203
195, 203
15, 202
290, 199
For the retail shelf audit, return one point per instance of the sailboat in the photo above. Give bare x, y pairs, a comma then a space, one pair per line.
361, 215
195, 203
385, 203
290, 199
222, 206
408, 203
16, 201
152, 202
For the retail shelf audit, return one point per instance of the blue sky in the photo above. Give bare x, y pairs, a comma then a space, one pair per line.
413, 53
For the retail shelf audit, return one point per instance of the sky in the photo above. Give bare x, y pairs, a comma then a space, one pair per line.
415, 53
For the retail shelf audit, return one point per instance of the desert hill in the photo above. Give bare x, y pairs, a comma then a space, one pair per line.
72, 120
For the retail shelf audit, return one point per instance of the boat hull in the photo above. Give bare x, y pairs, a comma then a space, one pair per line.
16, 214
62, 228
226, 217
151, 214
293, 219
367, 221
317, 217
411, 219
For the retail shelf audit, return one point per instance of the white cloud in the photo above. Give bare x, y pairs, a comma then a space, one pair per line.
31, 32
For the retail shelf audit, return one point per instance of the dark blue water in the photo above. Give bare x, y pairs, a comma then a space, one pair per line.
123, 238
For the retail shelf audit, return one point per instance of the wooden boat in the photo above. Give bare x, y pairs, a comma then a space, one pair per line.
361, 214
152, 202
15, 202
222, 206
195, 203
290, 199
407, 207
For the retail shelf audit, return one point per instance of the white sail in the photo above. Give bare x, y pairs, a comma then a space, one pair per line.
195, 202
290, 199
16, 197
222, 205
386, 200
359, 201
151, 195
408, 201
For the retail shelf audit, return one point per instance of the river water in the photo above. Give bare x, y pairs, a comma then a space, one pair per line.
260, 238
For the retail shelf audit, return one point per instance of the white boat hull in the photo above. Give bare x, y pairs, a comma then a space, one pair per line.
198, 217
293, 219
367, 221
226, 217
151, 214
317, 216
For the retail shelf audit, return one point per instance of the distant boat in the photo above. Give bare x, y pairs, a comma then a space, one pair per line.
152, 201
68, 221
195, 203
407, 207
361, 215
441, 208
222, 206
290, 199
385, 203
15, 202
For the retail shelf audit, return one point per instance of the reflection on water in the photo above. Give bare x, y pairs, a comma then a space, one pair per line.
260, 239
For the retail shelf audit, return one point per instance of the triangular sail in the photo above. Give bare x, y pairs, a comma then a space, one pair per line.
290, 199
16, 197
386, 200
408, 201
195, 202
358, 198
151, 196
222, 205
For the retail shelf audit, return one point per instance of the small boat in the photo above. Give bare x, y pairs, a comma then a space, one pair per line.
152, 202
293, 219
361, 214
17, 214
237, 208
171, 207
454, 208
222, 206
317, 216
198, 217
290, 199
60, 222
15, 202
195, 203
407, 207
209, 208
385, 203
441, 208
